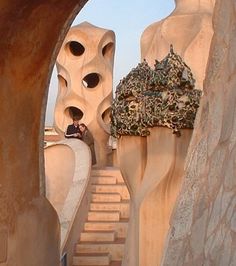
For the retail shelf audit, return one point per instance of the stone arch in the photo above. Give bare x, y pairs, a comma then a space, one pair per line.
32, 32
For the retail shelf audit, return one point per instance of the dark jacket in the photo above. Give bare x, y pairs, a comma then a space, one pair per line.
71, 129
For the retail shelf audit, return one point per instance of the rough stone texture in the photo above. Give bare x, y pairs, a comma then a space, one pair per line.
85, 67
189, 29
207, 202
148, 98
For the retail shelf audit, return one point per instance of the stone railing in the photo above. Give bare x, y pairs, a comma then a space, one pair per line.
67, 167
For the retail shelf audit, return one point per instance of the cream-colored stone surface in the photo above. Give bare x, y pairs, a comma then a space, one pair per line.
189, 29
153, 168
203, 225
59, 171
67, 167
85, 67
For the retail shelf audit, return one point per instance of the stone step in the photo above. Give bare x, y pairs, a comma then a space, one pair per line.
106, 197
103, 180
102, 241
115, 249
98, 236
120, 227
108, 171
118, 188
103, 216
98, 259
112, 263
115, 263
122, 206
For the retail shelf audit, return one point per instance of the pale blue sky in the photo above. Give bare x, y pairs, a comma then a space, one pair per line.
128, 19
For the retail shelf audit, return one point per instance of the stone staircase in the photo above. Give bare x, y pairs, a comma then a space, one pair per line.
102, 241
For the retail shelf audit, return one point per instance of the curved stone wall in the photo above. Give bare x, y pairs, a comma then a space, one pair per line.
31, 34
59, 173
67, 169
203, 228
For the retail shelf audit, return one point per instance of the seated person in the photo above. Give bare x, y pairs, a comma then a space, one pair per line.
87, 137
73, 130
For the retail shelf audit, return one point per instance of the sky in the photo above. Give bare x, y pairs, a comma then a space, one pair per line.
128, 19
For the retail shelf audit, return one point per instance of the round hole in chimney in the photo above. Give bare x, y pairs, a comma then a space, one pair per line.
106, 116
91, 80
76, 48
73, 111
62, 81
108, 50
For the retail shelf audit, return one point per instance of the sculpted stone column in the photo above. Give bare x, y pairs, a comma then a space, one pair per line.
154, 189
152, 116
85, 65
189, 29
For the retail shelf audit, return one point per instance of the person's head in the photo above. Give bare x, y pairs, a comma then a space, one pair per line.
75, 120
82, 127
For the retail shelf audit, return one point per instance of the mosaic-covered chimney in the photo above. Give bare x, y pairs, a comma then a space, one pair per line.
153, 117
148, 98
